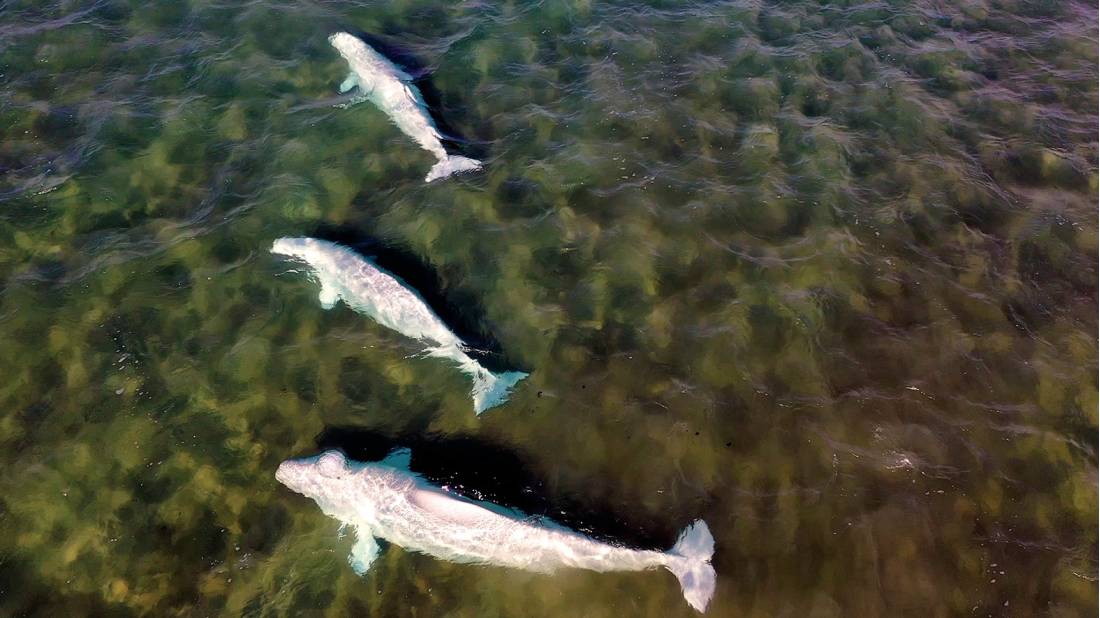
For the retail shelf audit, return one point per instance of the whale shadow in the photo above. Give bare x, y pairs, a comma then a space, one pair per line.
482, 470
459, 312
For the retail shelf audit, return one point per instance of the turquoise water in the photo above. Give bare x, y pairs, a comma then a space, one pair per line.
823, 274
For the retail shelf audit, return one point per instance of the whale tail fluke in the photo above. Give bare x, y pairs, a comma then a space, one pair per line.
691, 564
492, 389
451, 164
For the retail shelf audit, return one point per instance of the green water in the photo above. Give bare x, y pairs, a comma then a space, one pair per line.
823, 274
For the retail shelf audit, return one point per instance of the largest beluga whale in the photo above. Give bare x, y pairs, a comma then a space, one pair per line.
378, 80
346, 276
386, 500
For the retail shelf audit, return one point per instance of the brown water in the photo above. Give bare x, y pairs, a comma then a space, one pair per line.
822, 274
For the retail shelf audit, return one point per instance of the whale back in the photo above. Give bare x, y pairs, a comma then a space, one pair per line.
452, 509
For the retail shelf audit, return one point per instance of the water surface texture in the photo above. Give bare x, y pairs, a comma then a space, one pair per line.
823, 274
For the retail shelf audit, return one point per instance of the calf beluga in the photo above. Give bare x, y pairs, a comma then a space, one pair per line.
345, 275
386, 500
381, 82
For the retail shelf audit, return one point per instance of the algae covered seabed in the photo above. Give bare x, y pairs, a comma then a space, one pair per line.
821, 273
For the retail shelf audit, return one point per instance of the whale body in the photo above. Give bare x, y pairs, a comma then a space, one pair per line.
391, 89
385, 500
363, 286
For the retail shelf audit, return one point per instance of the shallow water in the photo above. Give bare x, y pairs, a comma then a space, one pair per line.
823, 274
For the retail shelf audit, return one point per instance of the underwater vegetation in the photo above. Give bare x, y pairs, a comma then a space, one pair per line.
822, 274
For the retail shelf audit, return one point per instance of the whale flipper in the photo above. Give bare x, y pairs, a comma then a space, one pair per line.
363, 552
351, 81
328, 296
399, 458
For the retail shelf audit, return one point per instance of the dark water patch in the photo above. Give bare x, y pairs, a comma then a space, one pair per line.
37, 597
46, 272
357, 388
521, 198
205, 434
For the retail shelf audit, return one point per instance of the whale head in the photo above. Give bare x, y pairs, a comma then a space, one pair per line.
331, 481
347, 490
314, 476
301, 248
344, 43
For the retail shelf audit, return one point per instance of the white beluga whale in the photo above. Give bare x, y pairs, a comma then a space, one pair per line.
345, 275
378, 80
385, 500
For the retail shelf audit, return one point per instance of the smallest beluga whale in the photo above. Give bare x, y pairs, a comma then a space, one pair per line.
379, 81
368, 289
385, 500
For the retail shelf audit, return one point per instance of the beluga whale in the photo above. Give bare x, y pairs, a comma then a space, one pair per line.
385, 500
372, 291
380, 81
